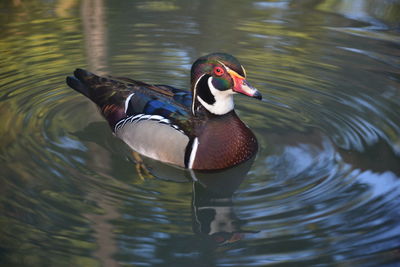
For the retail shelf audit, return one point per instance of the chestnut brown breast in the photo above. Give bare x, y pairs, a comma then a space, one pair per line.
224, 141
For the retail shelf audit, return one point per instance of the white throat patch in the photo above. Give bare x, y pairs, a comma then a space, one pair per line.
223, 100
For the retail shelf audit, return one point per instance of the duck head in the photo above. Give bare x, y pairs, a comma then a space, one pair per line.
215, 78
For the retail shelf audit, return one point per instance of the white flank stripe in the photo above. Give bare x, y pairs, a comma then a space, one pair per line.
193, 153
156, 117
165, 121
142, 117
127, 101
145, 117
135, 117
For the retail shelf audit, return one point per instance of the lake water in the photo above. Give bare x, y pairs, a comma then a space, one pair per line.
323, 190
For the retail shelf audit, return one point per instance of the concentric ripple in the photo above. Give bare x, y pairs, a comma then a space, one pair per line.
324, 188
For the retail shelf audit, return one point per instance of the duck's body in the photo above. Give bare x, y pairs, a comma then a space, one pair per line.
168, 124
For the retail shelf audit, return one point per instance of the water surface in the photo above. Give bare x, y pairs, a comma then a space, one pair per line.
323, 190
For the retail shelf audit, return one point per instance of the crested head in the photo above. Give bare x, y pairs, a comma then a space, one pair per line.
206, 64
214, 80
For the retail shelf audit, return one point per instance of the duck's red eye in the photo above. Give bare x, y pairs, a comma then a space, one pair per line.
219, 71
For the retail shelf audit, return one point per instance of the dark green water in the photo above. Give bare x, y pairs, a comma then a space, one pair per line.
324, 189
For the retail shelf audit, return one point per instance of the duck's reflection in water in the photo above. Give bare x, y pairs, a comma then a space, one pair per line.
288, 163
213, 210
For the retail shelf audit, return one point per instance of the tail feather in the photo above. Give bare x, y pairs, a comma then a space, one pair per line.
105, 93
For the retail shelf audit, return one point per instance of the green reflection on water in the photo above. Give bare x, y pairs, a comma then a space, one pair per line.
41, 214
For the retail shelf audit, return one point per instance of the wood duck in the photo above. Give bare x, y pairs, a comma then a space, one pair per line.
197, 130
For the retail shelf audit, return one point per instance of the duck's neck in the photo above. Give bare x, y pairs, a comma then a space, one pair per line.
218, 102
